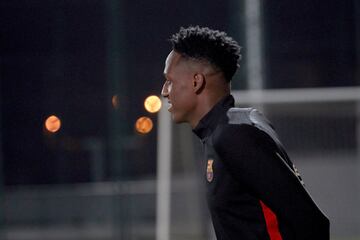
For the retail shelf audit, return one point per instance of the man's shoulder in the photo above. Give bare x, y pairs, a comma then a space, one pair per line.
238, 126
248, 116
239, 116
243, 124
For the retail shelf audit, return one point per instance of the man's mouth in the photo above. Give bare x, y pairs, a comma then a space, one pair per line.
169, 106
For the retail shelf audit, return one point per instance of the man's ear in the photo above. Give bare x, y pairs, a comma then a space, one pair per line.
198, 82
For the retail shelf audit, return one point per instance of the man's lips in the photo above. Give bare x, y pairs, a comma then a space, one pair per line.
169, 106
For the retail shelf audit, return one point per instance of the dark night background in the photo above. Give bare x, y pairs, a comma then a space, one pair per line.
54, 57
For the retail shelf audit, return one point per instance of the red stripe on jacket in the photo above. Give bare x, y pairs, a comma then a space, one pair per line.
271, 222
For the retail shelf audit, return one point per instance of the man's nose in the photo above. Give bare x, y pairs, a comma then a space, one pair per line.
164, 91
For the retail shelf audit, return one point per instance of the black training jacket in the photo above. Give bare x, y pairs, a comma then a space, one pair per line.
254, 192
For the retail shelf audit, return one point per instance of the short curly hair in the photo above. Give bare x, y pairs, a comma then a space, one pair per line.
215, 46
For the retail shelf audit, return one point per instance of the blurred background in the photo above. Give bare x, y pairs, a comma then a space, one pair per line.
80, 156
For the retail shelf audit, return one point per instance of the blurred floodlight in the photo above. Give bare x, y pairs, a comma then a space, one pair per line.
52, 124
152, 104
115, 101
143, 125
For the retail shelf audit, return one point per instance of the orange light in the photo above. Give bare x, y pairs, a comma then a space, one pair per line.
52, 123
152, 104
143, 125
115, 101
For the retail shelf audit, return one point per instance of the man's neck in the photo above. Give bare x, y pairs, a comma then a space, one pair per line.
205, 104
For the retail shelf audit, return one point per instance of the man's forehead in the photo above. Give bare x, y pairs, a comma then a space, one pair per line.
172, 59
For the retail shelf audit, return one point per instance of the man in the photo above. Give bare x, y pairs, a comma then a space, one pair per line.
253, 189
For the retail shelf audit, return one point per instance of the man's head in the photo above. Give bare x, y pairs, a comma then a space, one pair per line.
198, 71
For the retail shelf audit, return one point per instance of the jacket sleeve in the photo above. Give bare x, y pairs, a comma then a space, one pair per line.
252, 158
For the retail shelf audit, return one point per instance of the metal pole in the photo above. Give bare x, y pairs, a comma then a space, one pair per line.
116, 85
2, 192
297, 95
116, 89
164, 148
357, 75
254, 49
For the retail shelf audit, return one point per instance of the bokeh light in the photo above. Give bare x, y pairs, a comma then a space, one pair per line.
115, 101
152, 104
143, 125
52, 124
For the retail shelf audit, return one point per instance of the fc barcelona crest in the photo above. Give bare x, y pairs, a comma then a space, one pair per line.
209, 170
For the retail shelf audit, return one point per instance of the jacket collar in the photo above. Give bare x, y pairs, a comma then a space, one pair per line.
215, 116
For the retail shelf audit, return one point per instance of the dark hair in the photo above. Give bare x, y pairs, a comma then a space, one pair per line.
203, 43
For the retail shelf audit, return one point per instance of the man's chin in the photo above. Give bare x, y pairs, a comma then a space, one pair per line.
177, 120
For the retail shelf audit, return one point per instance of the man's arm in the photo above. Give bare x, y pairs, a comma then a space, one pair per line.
252, 157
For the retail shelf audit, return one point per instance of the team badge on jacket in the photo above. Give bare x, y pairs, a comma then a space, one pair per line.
209, 170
